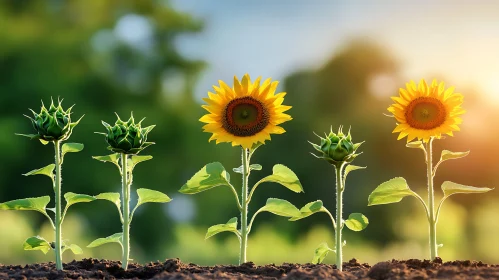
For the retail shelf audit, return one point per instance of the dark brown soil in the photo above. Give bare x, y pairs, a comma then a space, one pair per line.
175, 269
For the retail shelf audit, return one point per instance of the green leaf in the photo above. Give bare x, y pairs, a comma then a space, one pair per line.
47, 171
309, 209
113, 158
447, 155
321, 253
43, 142
210, 176
231, 226
147, 195
256, 167
33, 203
30, 136
280, 207
134, 160
73, 248
284, 176
356, 222
71, 148
73, 198
115, 238
451, 188
110, 196
351, 168
390, 192
416, 145
37, 243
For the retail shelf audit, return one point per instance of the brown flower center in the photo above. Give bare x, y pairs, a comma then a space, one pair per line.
245, 116
425, 113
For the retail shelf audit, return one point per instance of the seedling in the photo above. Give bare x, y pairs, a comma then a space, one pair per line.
339, 150
126, 140
245, 115
425, 112
51, 125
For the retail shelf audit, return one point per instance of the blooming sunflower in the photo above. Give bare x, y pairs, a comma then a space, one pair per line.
424, 111
246, 113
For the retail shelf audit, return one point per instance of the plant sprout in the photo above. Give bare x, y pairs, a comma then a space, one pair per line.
51, 125
245, 115
339, 150
126, 139
425, 112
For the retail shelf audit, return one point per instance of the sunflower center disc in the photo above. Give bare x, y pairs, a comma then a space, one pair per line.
425, 113
245, 116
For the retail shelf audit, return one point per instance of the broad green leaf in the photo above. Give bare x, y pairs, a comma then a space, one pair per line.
356, 222
110, 196
321, 253
73, 198
280, 207
416, 145
134, 160
146, 195
210, 176
73, 248
47, 171
447, 155
390, 192
113, 158
309, 209
37, 243
351, 168
284, 176
115, 238
71, 148
451, 188
33, 203
231, 226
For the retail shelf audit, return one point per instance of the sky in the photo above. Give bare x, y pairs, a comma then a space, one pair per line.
458, 40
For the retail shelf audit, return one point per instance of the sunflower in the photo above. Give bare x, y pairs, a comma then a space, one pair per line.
246, 113
424, 111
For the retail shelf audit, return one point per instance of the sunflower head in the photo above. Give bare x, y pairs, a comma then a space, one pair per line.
53, 123
426, 112
246, 113
337, 148
127, 137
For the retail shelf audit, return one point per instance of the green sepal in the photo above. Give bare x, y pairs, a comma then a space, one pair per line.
37, 243
390, 192
280, 207
115, 238
450, 188
321, 253
310, 209
47, 171
30, 136
356, 222
71, 148
210, 176
230, 226
284, 176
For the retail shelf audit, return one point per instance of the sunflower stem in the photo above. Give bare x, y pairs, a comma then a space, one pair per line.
244, 211
339, 213
58, 216
431, 201
126, 211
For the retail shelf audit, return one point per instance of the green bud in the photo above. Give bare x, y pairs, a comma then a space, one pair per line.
337, 148
127, 137
52, 124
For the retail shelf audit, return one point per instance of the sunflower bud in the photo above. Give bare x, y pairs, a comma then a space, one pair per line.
52, 124
337, 148
127, 137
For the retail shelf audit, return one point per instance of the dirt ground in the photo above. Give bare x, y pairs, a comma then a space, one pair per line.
175, 269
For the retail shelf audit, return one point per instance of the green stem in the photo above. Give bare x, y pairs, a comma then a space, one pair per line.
339, 219
126, 211
58, 216
431, 201
244, 210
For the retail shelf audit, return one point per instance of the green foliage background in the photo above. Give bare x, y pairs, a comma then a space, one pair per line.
67, 49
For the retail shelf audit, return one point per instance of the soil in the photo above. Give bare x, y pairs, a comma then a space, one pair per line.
175, 269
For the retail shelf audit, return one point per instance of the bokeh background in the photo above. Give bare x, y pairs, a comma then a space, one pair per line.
339, 61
